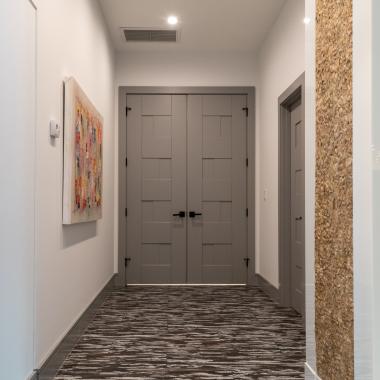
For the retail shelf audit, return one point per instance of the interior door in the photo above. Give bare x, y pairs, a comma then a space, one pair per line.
298, 210
156, 189
217, 224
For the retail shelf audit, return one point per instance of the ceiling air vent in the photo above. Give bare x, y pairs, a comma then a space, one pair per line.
150, 35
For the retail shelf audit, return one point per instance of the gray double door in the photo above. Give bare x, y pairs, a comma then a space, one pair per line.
186, 189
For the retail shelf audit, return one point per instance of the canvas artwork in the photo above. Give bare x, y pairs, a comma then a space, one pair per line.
83, 153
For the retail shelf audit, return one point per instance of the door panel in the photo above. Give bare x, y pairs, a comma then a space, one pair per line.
156, 227
156, 105
217, 189
217, 177
298, 211
217, 228
217, 139
218, 105
156, 178
157, 138
156, 189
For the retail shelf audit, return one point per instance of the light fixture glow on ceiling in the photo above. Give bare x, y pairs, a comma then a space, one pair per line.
172, 20
307, 20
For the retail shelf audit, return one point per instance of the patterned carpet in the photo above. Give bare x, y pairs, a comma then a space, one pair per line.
189, 333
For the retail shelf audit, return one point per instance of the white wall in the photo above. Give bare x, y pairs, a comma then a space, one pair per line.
17, 191
73, 262
375, 332
185, 69
281, 61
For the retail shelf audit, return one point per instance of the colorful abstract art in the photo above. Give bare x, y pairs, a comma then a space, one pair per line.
83, 157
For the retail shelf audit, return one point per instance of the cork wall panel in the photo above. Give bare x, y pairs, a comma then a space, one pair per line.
333, 234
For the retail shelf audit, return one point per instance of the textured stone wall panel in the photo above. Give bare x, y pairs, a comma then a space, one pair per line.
334, 247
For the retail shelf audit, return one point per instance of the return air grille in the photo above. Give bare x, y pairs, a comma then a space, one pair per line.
150, 35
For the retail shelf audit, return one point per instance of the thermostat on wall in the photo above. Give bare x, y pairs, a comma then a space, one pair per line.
55, 129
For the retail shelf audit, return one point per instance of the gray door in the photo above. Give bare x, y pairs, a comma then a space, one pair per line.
186, 189
217, 237
298, 210
156, 189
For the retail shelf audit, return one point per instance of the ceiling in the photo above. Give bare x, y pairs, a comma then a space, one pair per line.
205, 25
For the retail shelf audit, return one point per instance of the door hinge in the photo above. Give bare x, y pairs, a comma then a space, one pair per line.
126, 212
246, 110
126, 261
247, 259
246, 212
127, 109
126, 161
246, 162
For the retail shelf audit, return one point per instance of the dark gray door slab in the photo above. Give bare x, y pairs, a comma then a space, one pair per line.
291, 155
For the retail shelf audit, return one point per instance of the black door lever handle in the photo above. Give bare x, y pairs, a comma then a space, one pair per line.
181, 214
193, 214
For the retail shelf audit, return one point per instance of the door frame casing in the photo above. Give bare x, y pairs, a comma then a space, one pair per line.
250, 92
293, 94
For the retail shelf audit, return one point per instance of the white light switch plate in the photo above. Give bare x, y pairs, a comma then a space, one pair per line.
55, 129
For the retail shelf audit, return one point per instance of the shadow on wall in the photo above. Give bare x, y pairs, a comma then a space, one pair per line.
76, 233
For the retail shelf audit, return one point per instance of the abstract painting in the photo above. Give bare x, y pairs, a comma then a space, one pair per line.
83, 157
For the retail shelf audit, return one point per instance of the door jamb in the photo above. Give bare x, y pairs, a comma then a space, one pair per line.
121, 205
293, 94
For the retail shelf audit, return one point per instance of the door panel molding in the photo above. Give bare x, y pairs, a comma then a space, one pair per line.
248, 92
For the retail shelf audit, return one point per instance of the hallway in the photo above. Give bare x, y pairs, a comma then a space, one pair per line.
190, 189
189, 333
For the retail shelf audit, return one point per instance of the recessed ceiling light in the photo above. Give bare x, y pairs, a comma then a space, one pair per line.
307, 20
172, 20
